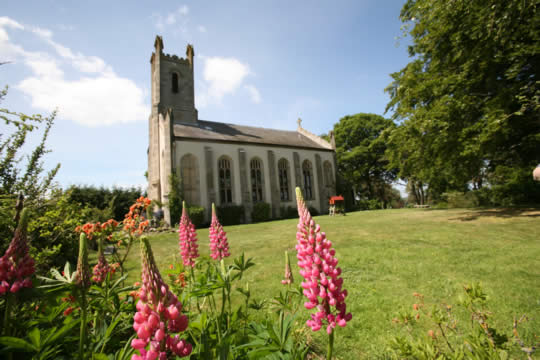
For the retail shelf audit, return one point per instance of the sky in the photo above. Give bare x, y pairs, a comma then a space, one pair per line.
260, 63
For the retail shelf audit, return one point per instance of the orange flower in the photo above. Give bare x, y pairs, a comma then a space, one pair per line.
68, 311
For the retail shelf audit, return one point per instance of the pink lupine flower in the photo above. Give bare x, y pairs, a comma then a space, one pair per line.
101, 270
188, 239
17, 266
288, 277
102, 267
322, 284
219, 246
158, 318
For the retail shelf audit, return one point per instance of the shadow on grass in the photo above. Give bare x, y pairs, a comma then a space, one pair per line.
505, 213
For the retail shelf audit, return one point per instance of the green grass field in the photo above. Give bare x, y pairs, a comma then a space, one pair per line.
389, 254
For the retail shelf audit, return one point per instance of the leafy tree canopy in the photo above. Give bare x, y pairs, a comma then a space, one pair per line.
360, 150
468, 102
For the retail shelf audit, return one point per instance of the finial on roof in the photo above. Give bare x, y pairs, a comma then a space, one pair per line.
190, 53
332, 139
299, 122
158, 44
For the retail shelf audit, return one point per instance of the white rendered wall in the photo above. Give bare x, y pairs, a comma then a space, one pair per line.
231, 150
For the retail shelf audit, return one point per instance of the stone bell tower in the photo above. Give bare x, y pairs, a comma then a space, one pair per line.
172, 83
173, 101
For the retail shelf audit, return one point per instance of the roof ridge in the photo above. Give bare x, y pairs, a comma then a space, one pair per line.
249, 126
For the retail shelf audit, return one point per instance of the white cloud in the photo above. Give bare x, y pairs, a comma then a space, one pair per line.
254, 94
86, 64
161, 22
42, 33
201, 29
223, 76
8, 50
93, 96
102, 100
7, 22
183, 10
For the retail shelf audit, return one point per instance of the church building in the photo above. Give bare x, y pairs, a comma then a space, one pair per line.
228, 164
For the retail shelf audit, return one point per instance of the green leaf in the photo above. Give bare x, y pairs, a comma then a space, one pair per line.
35, 337
17, 343
100, 356
64, 330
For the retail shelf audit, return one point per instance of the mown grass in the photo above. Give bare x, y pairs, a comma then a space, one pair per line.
389, 254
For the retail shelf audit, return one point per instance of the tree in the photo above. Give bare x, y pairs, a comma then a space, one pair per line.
360, 150
16, 175
468, 102
107, 202
175, 198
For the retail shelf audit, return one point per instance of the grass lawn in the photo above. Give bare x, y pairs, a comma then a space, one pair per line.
387, 255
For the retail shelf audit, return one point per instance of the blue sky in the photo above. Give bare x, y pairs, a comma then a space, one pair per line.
262, 63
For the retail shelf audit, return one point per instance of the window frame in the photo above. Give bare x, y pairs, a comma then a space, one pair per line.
225, 180
284, 180
256, 176
307, 174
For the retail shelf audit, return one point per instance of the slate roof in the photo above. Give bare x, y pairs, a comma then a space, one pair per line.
221, 132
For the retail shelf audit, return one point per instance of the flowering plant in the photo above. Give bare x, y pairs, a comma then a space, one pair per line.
17, 266
188, 239
219, 247
322, 284
158, 315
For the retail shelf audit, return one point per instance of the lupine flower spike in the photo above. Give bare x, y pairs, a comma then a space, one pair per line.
322, 284
83, 281
17, 266
219, 247
158, 315
102, 268
188, 239
288, 277
83, 269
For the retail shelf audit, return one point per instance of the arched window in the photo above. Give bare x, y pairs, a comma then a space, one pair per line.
174, 79
307, 171
328, 176
189, 175
256, 180
225, 180
283, 174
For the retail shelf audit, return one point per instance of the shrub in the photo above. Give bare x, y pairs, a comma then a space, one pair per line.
52, 232
510, 187
441, 205
175, 198
261, 212
196, 214
372, 204
313, 211
288, 212
456, 199
231, 214
107, 203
